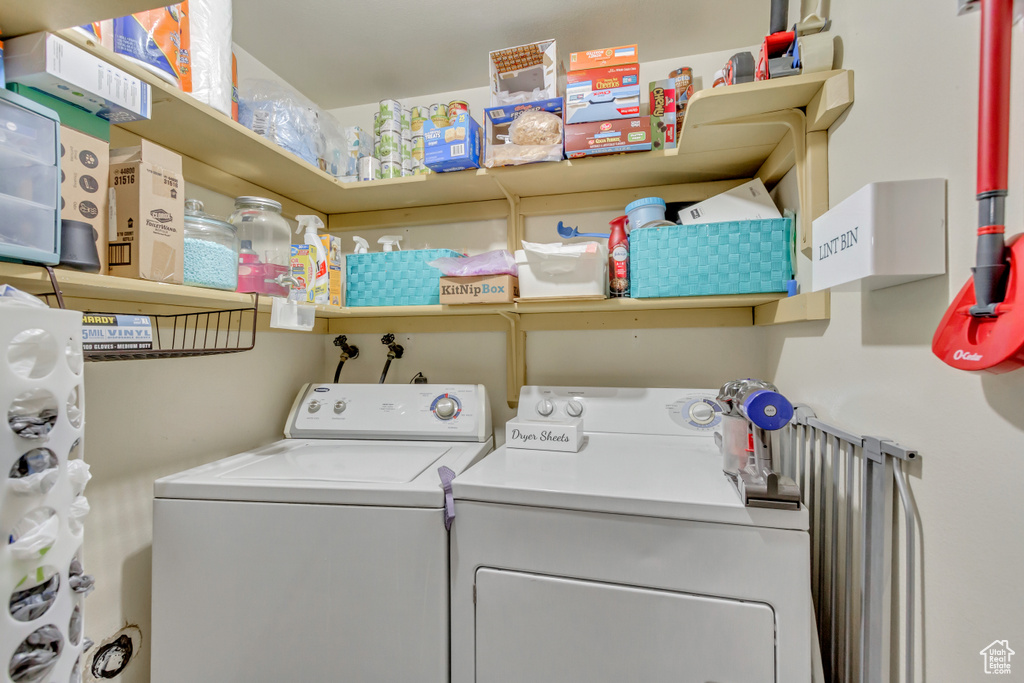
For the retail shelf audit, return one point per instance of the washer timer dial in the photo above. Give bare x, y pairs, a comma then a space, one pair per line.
700, 413
446, 407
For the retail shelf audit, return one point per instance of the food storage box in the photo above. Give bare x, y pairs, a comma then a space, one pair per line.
540, 140
563, 271
524, 73
738, 257
608, 137
455, 147
479, 289
394, 278
603, 94
607, 56
29, 181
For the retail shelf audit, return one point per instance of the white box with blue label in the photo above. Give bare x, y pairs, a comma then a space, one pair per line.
455, 147
538, 137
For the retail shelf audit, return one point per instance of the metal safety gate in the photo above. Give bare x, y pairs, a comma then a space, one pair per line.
849, 485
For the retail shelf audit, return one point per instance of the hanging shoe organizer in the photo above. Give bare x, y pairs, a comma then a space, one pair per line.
41, 501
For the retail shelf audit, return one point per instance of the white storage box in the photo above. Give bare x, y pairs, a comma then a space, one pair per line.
559, 271
545, 435
885, 234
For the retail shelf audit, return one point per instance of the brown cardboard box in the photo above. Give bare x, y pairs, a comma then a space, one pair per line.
85, 169
480, 289
149, 213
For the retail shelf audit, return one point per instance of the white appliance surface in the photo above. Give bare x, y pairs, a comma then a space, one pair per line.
631, 559
318, 558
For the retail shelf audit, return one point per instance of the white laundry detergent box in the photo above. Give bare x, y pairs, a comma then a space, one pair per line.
548, 435
56, 67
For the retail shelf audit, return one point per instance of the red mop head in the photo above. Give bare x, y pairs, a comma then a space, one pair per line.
992, 344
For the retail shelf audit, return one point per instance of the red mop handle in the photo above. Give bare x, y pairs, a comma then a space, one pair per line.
994, 102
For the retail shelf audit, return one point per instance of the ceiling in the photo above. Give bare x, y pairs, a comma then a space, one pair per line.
346, 53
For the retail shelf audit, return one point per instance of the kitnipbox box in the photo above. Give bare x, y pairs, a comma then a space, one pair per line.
479, 289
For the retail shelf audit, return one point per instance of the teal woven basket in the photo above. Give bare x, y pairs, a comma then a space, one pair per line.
394, 278
740, 257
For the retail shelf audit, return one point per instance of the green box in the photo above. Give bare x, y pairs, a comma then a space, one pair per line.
70, 115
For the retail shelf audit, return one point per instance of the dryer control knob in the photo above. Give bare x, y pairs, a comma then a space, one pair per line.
339, 407
445, 408
313, 406
545, 407
574, 408
702, 413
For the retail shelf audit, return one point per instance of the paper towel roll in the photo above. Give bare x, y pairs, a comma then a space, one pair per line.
206, 35
816, 52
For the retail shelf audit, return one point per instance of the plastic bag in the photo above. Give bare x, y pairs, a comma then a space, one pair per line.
78, 475
282, 115
33, 414
79, 581
10, 296
35, 472
77, 511
498, 262
36, 655
32, 603
34, 534
534, 136
502, 98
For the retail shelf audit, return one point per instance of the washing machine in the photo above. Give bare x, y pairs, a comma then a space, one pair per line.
323, 556
633, 559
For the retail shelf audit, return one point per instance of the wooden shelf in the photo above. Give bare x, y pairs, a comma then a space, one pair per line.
706, 151
18, 17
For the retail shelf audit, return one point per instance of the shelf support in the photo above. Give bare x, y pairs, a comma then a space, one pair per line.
516, 222
515, 355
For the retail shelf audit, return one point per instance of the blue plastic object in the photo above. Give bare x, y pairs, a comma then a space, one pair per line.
568, 232
768, 409
644, 211
394, 278
740, 257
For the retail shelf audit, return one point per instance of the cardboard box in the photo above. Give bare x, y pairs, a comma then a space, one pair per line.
747, 202
335, 270
603, 94
452, 148
609, 56
480, 289
524, 69
302, 272
662, 99
684, 91
498, 120
149, 214
65, 71
608, 137
85, 181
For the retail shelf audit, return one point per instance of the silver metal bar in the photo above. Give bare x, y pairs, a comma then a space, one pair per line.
834, 548
876, 563
911, 518
834, 431
822, 544
848, 598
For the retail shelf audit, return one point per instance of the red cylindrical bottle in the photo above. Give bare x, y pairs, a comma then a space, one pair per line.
618, 258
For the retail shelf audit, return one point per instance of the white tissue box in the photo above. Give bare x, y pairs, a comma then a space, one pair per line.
554, 435
556, 271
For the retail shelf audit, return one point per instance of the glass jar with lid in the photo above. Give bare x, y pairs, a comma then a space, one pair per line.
211, 249
269, 236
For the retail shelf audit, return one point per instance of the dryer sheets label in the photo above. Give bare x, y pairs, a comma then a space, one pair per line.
103, 332
561, 435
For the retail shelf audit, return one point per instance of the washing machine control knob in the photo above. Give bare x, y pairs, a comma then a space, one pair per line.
339, 407
574, 408
545, 407
445, 408
313, 406
702, 413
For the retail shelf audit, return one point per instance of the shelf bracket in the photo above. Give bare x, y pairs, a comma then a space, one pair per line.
796, 123
515, 356
516, 222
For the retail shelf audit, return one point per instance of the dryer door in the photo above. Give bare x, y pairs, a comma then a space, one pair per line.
547, 629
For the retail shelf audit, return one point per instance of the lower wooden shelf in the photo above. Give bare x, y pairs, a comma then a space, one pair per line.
101, 293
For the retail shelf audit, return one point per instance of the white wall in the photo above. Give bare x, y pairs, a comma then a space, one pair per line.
870, 368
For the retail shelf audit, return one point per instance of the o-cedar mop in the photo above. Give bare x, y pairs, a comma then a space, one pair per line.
984, 326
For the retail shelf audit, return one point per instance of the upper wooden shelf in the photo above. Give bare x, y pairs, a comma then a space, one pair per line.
18, 17
705, 152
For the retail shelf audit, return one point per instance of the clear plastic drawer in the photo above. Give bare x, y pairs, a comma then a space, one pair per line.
24, 131
26, 225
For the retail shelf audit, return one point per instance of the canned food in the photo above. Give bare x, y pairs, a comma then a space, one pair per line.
369, 168
390, 126
420, 112
390, 169
390, 110
417, 125
376, 123
440, 121
390, 143
455, 107
436, 109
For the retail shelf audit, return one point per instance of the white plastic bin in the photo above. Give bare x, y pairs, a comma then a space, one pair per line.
556, 271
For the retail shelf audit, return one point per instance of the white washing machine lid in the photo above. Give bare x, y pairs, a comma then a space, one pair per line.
329, 471
652, 476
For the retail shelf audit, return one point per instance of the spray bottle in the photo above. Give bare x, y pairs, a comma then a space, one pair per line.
319, 282
618, 258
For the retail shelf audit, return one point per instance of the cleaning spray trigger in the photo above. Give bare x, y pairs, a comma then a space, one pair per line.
318, 287
362, 247
390, 242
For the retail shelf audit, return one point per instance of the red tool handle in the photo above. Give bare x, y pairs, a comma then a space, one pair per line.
994, 102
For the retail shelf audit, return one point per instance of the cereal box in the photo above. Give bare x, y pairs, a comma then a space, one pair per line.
602, 94
663, 113
608, 137
609, 56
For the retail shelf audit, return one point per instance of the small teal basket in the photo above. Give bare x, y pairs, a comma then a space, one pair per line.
394, 278
737, 257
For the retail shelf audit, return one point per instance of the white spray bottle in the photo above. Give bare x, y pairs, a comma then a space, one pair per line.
319, 283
